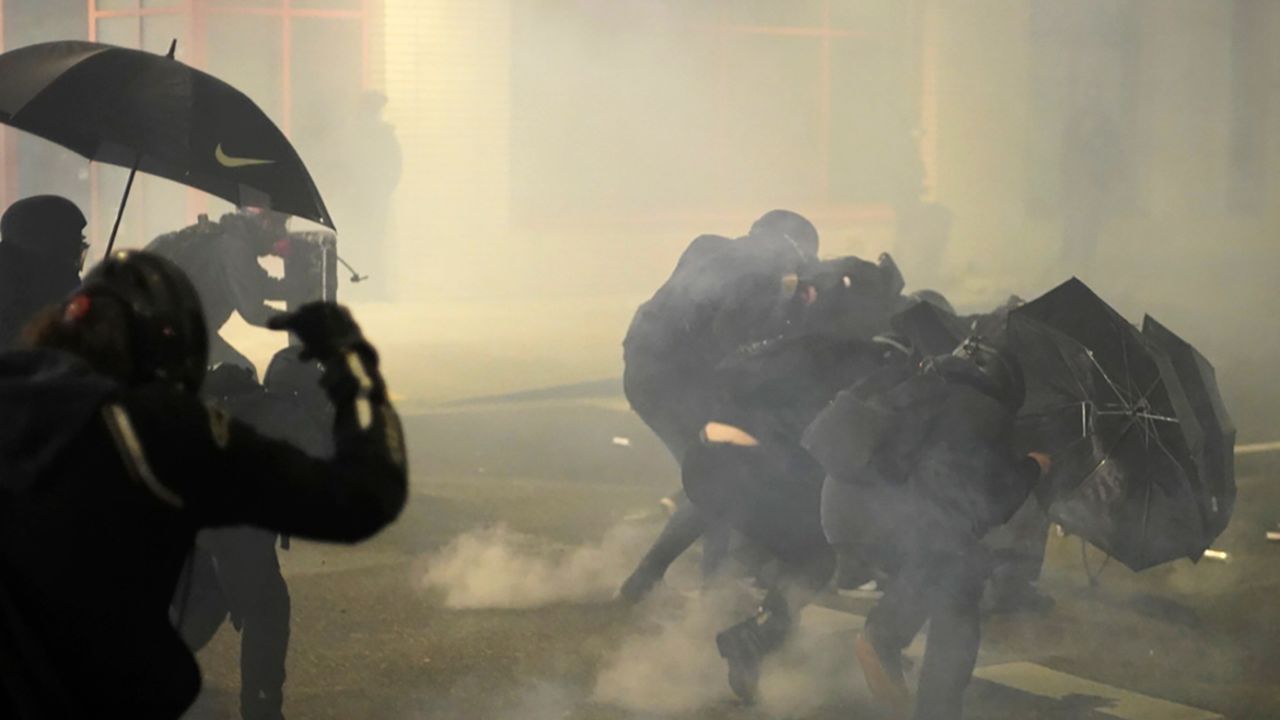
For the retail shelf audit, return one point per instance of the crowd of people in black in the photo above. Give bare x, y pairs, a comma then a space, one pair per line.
806, 424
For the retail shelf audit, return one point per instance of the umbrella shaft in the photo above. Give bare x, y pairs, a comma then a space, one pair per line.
123, 201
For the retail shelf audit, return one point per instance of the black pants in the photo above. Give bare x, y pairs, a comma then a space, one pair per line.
673, 401
1017, 547
235, 572
941, 583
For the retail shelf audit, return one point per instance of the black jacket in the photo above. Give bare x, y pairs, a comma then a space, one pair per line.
939, 433
222, 261
102, 489
29, 280
722, 294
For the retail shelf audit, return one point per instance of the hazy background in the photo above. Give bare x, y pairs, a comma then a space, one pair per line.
556, 156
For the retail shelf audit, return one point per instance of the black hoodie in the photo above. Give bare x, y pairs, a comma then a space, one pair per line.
103, 490
46, 399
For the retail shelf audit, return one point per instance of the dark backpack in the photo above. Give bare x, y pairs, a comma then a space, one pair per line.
876, 429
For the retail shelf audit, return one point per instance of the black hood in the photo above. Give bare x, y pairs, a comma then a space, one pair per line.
47, 398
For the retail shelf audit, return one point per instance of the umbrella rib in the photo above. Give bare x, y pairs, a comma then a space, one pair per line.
1128, 371
1165, 449
1107, 455
1123, 400
1148, 416
1084, 392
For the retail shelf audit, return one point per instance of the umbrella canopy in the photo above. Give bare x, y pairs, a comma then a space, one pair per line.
1109, 406
1214, 456
149, 112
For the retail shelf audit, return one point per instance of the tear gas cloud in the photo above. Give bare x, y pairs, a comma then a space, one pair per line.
669, 666
670, 640
499, 568
555, 158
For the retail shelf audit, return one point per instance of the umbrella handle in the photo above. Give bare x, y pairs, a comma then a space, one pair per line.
123, 201
355, 276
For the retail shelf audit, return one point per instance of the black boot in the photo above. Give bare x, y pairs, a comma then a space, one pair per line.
744, 645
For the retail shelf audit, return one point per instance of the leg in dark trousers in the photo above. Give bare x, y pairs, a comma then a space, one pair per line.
199, 605
249, 574
1017, 549
954, 636
683, 529
944, 588
668, 405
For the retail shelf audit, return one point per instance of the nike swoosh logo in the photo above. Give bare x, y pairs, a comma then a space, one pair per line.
226, 160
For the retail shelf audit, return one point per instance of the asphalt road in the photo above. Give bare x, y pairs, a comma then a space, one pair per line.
519, 623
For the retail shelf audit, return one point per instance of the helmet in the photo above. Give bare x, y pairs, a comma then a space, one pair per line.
167, 333
789, 226
1001, 373
934, 298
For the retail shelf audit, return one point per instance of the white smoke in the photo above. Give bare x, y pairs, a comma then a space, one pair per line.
670, 665
497, 567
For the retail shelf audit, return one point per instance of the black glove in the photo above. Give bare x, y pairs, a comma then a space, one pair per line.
325, 329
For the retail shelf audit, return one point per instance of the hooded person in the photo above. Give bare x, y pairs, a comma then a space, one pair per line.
1018, 546
749, 470
936, 471
111, 463
41, 253
234, 572
221, 258
721, 295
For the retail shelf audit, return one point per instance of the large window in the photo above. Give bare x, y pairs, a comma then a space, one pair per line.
663, 108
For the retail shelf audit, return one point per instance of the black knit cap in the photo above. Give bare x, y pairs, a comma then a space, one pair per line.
791, 226
45, 222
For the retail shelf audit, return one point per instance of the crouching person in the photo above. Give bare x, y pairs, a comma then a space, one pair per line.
110, 463
936, 473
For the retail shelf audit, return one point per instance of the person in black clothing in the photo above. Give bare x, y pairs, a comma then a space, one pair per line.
722, 294
222, 261
939, 471
113, 463
235, 572
749, 470
41, 253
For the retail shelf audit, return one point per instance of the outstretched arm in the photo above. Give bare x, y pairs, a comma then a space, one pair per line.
223, 472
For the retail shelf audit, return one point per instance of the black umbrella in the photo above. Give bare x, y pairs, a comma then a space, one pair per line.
151, 113
1106, 403
1214, 456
